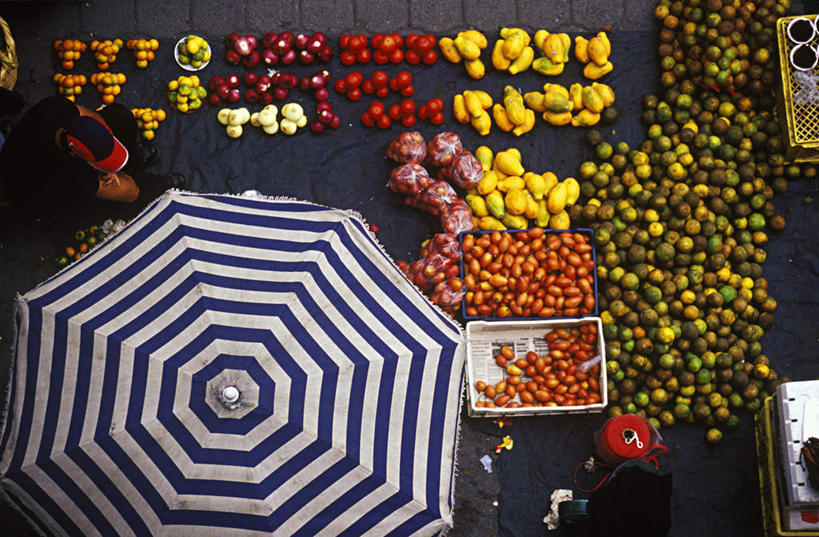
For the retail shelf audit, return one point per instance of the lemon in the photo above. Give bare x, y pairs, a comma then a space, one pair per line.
193, 80
173, 85
184, 60
192, 46
181, 99
195, 104
201, 92
198, 56
148, 135
196, 63
183, 80
206, 58
182, 107
184, 89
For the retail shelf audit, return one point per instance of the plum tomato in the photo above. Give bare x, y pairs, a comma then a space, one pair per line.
407, 107
363, 56
344, 41
382, 92
394, 84
397, 56
398, 38
423, 111
410, 40
380, 79
388, 44
340, 85
403, 79
384, 122
354, 94
430, 57
347, 57
376, 40
355, 43
354, 79
437, 118
435, 105
408, 91
412, 57
380, 57
367, 119
408, 121
376, 109
425, 43
395, 111
367, 86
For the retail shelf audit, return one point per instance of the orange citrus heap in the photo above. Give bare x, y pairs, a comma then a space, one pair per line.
143, 50
148, 120
69, 85
108, 84
69, 51
105, 52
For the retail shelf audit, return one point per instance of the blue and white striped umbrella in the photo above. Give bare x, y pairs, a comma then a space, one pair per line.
230, 366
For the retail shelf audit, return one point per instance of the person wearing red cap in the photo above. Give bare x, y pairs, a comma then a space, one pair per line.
63, 153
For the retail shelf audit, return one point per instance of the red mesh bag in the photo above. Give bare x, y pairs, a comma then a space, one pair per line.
443, 148
408, 147
457, 217
465, 171
409, 179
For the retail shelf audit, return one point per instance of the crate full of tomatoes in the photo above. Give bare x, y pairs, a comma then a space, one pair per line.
536, 367
534, 273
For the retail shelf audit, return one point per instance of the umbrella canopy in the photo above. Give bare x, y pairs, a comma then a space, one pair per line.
233, 366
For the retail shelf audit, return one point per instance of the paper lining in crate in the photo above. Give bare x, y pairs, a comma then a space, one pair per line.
776, 521
484, 340
796, 407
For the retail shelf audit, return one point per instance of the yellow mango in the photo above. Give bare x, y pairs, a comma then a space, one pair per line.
560, 119
482, 123
534, 100
515, 200
556, 201
572, 190
475, 68
540, 38
553, 48
485, 157
523, 62
476, 37
605, 92
488, 183
560, 220
532, 208
515, 110
473, 103
567, 44
449, 50
527, 125
499, 113
459, 108
535, 184
515, 153
555, 101
545, 66
499, 61
513, 221
543, 215
513, 45
581, 49
509, 163
490, 223
494, 202
507, 31
468, 49
511, 182
557, 88
605, 39
593, 71
551, 181
477, 204
585, 118
597, 51
576, 95
592, 100
485, 98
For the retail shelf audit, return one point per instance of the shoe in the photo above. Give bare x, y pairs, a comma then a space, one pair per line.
175, 180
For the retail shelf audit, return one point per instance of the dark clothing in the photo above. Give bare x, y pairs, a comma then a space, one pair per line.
37, 172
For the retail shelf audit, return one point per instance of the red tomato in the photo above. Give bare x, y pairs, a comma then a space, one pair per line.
341, 85
376, 109
367, 86
363, 55
344, 41
397, 56
430, 57
388, 44
376, 40
403, 79
382, 92
394, 84
412, 57
408, 91
425, 43
395, 111
437, 118
398, 38
355, 43
380, 57
353, 79
410, 40
367, 120
347, 57
408, 121
407, 107
354, 94
435, 105
380, 79
384, 122
423, 111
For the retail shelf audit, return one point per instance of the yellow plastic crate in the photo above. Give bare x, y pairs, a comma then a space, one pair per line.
766, 465
801, 121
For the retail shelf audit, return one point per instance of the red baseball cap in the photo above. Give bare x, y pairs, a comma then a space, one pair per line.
92, 140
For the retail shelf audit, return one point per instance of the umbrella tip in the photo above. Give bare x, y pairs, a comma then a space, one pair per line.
230, 394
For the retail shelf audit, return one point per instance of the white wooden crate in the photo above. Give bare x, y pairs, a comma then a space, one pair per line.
796, 406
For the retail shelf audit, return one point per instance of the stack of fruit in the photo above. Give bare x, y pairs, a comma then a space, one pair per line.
512, 52
354, 49
148, 120
589, 104
185, 94
595, 54
69, 51
105, 52
69, 86
471, 107
555, 50
84, 240
144, 50
466, 46
233, 119
265, 119
108, 84
421, 48
194, 51
508, 196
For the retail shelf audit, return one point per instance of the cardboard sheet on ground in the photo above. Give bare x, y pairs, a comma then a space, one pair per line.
715, 488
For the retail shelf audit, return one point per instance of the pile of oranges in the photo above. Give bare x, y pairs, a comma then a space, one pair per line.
108, 84
148, 120
69, 85
105, 52
143, 50
69, 51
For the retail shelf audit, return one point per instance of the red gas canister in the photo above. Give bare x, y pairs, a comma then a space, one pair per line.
623, 438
